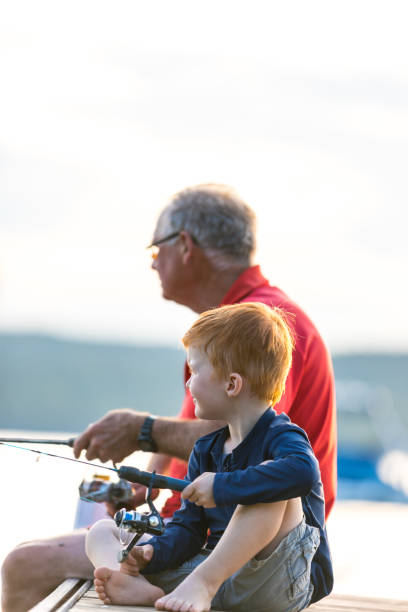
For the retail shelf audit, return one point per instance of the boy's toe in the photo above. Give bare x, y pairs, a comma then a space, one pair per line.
168, 603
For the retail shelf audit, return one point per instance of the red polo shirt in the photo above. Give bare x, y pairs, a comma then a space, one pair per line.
309, 398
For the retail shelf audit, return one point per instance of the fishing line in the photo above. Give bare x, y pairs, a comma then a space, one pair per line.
132, 474
150, 522
31, 450
90, 501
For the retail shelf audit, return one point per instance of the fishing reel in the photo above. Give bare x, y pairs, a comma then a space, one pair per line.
99, 489
139, 522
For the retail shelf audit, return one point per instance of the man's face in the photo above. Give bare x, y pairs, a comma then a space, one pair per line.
166, 261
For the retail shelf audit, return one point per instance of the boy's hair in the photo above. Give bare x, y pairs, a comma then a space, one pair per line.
250, 339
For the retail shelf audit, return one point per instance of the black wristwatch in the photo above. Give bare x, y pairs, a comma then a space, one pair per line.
145, 440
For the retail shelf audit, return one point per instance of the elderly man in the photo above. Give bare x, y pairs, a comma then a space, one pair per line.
202, 249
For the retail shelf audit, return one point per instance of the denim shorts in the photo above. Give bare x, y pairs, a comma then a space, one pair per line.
279, 583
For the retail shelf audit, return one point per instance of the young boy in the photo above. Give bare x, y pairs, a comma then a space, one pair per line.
255, 500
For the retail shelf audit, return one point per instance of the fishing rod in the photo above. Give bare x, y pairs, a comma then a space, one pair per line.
135, 522
132, 474
68, 442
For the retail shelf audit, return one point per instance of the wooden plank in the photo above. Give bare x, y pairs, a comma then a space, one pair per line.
333, 603
87, 608
66, 591
76, 596
354, 603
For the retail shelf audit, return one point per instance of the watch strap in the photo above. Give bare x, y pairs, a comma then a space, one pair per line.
145, 439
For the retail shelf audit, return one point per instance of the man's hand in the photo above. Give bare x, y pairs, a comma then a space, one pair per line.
200, 491
137, 560
112, 437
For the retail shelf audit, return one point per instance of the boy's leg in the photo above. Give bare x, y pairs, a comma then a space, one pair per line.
32, 570
254, 531
112, 585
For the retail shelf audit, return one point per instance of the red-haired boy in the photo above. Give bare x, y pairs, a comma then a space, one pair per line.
250, 534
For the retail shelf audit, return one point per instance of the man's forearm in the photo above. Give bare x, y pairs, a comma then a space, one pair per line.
176, 437
115, 436
158, 463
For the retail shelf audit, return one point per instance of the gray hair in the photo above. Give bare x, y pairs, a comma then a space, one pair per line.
216, 217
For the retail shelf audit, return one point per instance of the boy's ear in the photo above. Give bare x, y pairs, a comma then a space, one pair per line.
234, 384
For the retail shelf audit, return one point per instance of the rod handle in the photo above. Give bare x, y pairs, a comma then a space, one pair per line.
158, 481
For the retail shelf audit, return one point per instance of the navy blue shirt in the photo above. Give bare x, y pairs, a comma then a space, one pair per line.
274, 462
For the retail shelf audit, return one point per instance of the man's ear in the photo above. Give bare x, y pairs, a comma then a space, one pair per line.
234, 384
187, 245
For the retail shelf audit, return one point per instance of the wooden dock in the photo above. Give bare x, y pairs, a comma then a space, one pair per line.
79, 595
333, 603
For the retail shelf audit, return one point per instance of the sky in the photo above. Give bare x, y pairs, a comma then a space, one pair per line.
107, 109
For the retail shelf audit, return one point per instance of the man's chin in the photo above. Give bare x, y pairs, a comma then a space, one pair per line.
175, 299
165, 294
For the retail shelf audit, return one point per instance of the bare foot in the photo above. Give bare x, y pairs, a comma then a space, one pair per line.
114, 587
192, 595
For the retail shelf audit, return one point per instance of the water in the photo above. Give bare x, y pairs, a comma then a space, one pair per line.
373, 443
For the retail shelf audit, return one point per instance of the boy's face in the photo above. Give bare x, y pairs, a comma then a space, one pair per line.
208, 390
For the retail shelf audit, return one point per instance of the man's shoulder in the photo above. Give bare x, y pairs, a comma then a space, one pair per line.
253, 286
307, 337
276, 298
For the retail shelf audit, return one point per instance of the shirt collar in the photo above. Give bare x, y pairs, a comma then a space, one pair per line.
259, 427
250, 279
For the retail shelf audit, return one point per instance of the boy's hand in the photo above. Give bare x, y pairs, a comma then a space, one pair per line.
200, 491
137, 560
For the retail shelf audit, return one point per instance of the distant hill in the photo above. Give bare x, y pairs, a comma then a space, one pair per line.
54, 384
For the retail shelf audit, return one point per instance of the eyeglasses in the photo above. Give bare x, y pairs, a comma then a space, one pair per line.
155, 245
